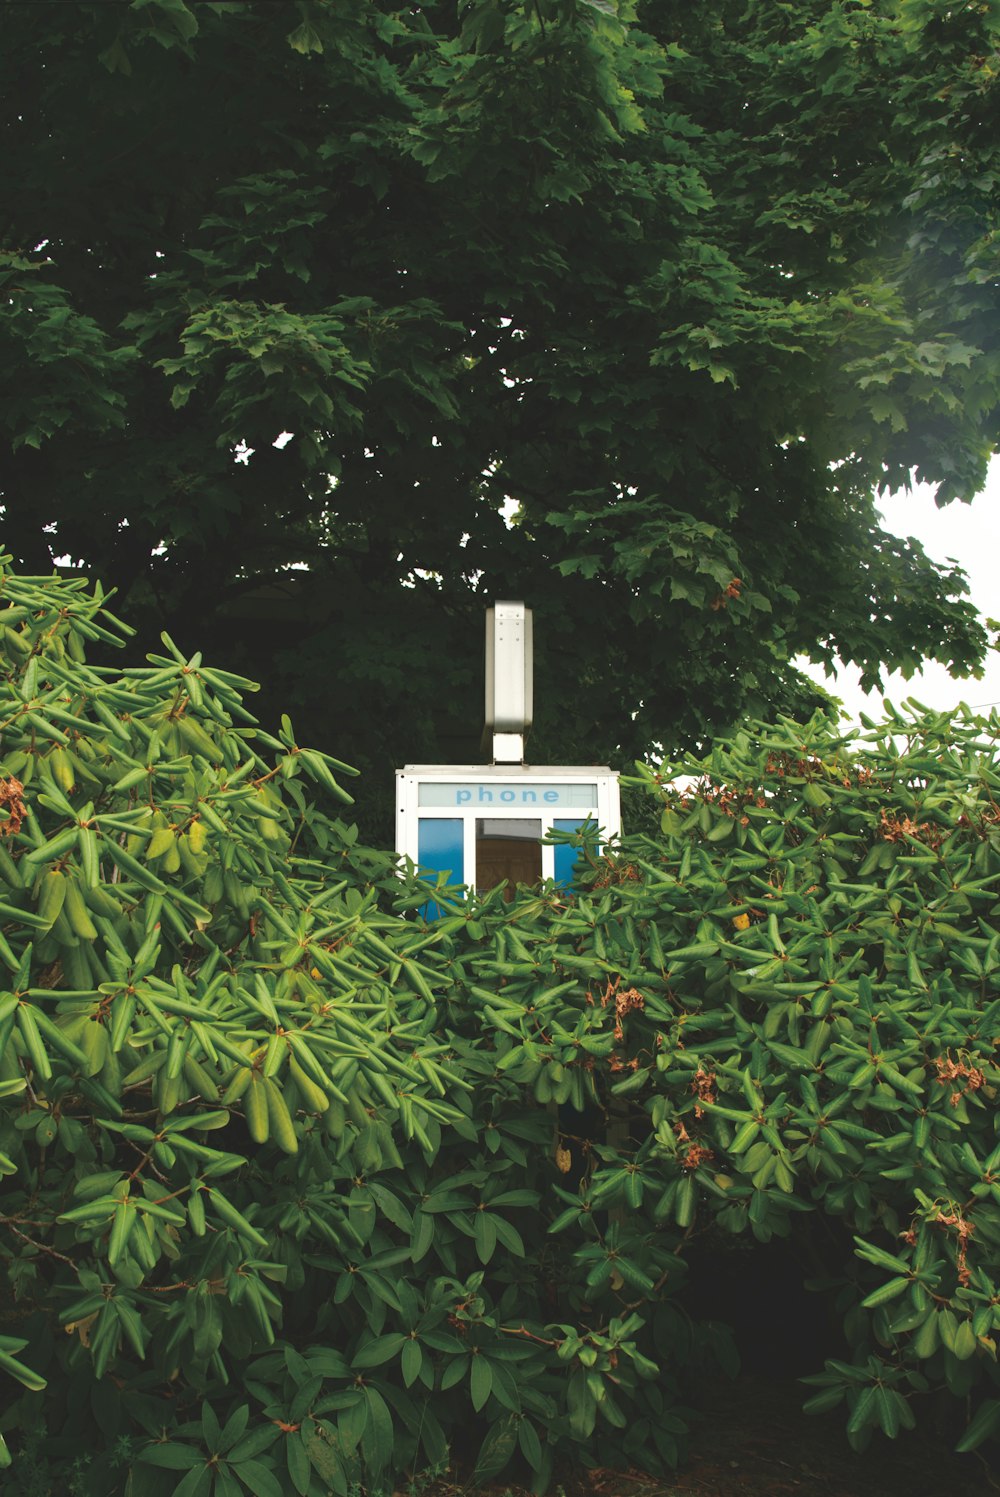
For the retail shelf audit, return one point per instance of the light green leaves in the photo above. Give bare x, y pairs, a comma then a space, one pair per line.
15, 1368
372, 1181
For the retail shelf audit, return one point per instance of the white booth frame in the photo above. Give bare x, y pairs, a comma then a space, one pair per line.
605, 812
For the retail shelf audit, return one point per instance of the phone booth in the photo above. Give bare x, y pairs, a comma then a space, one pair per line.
482, 824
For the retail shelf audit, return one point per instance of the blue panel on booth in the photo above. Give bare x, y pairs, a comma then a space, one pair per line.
565, 854
441, 848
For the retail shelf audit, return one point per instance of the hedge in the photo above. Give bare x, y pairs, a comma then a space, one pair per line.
304, 1192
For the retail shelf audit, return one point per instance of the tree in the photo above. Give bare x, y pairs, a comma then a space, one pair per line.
624, 310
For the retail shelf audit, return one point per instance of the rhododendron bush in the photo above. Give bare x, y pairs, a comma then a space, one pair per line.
303, 1192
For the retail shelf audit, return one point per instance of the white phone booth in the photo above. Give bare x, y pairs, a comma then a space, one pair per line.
480, 824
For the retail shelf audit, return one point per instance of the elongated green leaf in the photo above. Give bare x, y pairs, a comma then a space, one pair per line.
381, 1349
169, 1454
259, 1479
984, 1423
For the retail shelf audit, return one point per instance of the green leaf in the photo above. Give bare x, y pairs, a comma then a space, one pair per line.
197, 1483
879, 1257
863, 1413
411, 1361
530, 1444
885, 1292
260, 1479
233, 1428
169, 1454
226, 1484
984, 1423
486, 1235
496, 1449
253, 1443
305, 39
480, 1381
377, 1440
18, 1370
964, 1345
325, 1461
299, 1471
391, 1207
381, 1349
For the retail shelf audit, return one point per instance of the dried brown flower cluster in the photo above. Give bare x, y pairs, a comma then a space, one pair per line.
949, 1070
12, 800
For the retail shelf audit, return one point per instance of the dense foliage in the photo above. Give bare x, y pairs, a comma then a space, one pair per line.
302, 1191
273, 1215
680, 283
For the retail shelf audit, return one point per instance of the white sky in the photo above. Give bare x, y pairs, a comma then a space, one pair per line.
969, 534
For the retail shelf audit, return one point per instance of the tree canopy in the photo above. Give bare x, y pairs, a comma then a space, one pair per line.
326, 322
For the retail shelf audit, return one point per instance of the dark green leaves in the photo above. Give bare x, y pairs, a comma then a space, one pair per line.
400, 299
315, 1187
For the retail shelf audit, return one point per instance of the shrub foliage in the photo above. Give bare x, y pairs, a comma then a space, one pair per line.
302, 1191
